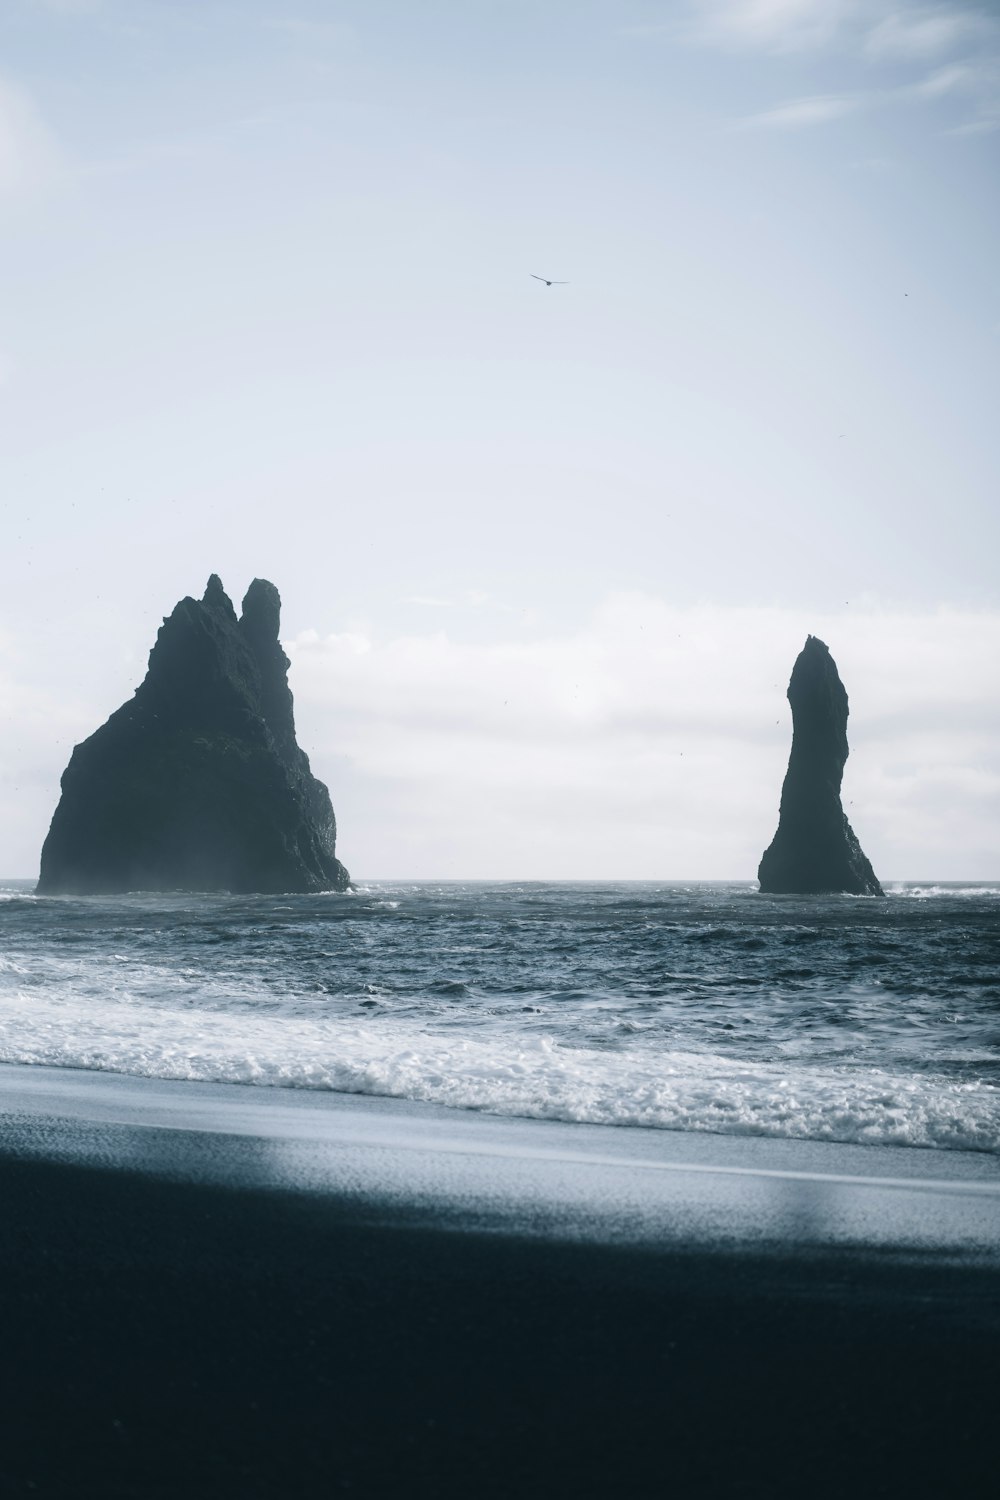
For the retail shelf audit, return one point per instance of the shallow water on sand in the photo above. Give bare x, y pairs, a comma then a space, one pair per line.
695, 1007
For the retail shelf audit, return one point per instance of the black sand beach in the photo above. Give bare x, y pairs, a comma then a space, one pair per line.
221, 1291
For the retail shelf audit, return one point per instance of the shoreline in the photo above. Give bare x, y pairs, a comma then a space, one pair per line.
208, 1290
609, 1184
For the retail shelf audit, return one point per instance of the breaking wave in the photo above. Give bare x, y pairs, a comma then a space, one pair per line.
533, 1077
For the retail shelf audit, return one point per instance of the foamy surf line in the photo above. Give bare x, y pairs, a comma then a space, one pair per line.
530, 1077
388, 1158
929, 891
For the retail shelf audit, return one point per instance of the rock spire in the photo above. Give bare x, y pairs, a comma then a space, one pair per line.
815, 849
197, 783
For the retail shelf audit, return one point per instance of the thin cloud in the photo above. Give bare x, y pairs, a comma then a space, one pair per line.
924, 33
772, 25
945, 81
650, 742
976, 81
799, 114
919, 35
878, 29
963, 40
984, 126
669, 726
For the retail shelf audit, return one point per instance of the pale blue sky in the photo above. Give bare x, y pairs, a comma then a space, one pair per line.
268, 310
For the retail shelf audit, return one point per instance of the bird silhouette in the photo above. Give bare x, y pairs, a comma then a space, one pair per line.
546, 280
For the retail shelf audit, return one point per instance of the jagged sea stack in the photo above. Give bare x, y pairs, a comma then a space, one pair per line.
815, 849
197, 784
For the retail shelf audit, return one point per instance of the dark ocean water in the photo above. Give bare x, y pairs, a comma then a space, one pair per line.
696, 1007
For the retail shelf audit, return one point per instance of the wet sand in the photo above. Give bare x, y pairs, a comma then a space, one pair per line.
225, 1291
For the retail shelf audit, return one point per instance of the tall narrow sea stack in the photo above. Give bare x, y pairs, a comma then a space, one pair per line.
198, 784
815, 849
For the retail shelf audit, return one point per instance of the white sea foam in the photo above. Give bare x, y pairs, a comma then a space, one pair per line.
509, 1074
929, 891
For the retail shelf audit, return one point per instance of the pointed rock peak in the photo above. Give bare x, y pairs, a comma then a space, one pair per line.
818, 699
261, 611
816, 653
814, 656
216, 597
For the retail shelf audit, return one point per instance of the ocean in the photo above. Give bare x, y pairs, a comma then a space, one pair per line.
696, 1007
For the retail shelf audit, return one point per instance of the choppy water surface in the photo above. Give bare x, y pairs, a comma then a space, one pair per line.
705, 1007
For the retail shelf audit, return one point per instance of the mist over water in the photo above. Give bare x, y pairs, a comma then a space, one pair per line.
698, 1007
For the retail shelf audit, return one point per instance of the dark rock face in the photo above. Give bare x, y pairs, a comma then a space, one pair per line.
815, 849
198, 784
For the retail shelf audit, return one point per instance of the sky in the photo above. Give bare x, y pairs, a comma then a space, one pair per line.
546, 554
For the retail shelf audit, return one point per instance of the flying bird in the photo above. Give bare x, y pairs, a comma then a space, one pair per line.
546, 280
